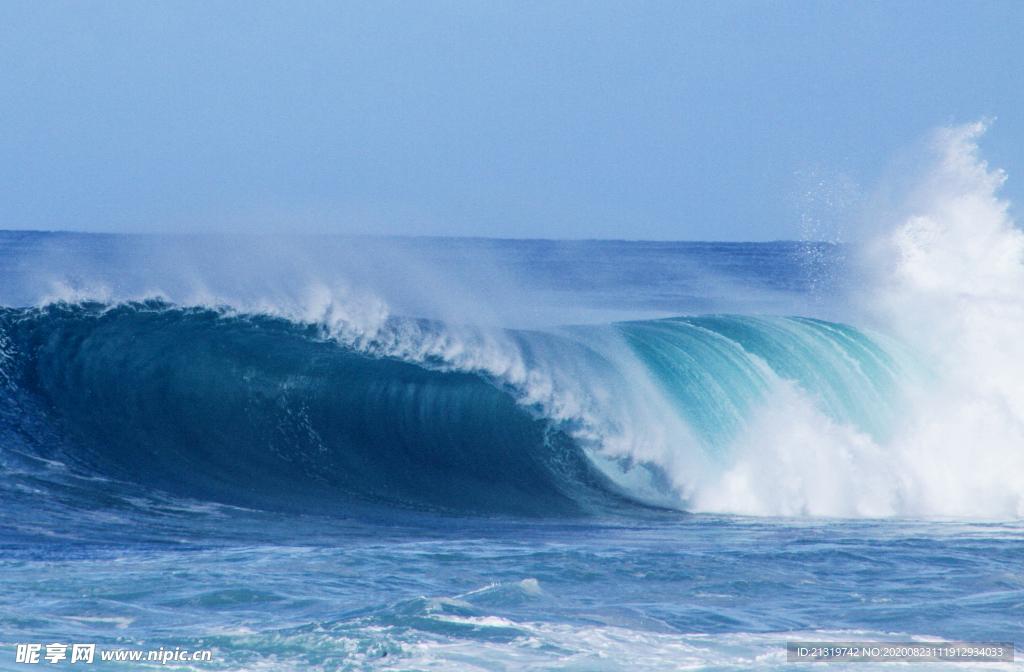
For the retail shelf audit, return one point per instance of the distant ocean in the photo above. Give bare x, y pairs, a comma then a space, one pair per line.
344, 453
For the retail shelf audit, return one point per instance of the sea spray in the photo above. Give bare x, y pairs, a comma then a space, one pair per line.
950, 286
956, 294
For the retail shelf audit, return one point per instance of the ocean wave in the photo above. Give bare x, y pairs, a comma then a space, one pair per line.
331, 399
260, 410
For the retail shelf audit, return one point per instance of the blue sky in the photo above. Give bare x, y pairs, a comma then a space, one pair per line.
636, 120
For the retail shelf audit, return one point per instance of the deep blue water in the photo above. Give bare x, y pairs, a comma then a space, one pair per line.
473, 455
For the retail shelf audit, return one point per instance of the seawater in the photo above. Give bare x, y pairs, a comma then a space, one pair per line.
467, 454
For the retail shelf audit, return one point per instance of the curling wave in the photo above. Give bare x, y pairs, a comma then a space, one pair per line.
261, 410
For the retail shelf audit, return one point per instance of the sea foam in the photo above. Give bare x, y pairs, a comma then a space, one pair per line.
950, 285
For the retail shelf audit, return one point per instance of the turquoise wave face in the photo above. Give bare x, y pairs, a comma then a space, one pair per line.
717, 369
262, 411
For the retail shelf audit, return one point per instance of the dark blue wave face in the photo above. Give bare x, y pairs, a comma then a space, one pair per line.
260, 411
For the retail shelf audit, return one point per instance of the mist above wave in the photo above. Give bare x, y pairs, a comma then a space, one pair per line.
505, 283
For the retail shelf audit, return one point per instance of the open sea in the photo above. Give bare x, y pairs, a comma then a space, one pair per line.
345, 453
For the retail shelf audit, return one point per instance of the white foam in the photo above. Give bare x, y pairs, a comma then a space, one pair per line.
954, 291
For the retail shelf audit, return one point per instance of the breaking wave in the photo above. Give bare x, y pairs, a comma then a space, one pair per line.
339, 403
